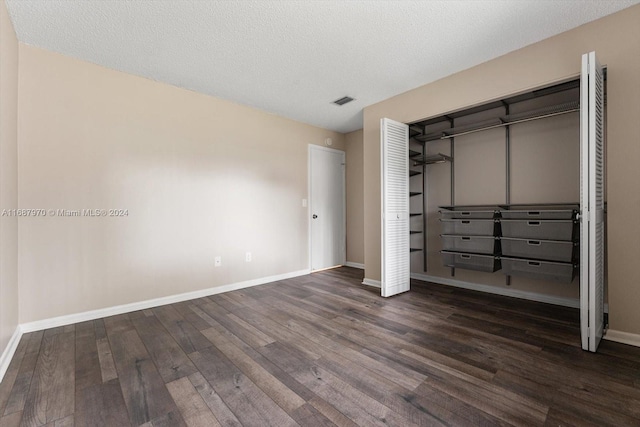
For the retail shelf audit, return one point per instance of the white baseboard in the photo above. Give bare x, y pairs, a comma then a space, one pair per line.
622, 337
9, 351
142, 305
371, 282
532, 296
354, 265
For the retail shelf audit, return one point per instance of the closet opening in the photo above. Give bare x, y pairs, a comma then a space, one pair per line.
495, 195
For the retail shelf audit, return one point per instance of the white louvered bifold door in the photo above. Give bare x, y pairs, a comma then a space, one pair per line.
591, 202
395, 207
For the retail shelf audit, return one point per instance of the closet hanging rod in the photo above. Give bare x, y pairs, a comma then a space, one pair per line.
529, 119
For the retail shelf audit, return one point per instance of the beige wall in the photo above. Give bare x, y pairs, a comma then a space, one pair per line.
200, 177
355, 197
616, 39
8, 178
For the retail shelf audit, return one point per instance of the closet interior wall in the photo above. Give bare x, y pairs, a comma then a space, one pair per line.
544, 168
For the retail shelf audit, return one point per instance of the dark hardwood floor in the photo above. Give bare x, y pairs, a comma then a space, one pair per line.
323, 350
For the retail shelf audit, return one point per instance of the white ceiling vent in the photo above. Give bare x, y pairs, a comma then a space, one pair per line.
343, 100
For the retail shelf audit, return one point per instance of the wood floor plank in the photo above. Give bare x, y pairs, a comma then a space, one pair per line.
594, 413
281, 394
187, 336
249, 404
11, 420
295, 312
171, 361
101, 405
558, 418
143, 389
361, 408
87, 369
223, 414
430, 397
54, 331
116, 325
331, 413
35, 341
51, 394
284, 295
490, 402
483, 387
530, 379
22, 382
345, 397
170, 419
400, 400
99, 329
235, 300
267, 365
194, 410
11, 375
307, 415
65, 422
400, 374
330, 343
184, 308
136, 314
105, 359
265, 324
261, 337
214, 316
388, 345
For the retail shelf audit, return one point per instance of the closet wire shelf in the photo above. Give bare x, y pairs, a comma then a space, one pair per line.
510, 119
430, 159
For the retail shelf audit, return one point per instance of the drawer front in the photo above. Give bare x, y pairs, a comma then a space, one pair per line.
539, 249
467, 214
539, 214
473, 244
539, 229
470, 227
541, 270
487, 263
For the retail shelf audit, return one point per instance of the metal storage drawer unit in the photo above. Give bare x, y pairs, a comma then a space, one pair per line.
551, 229
542, 270
473, 244
469, 227
487, 263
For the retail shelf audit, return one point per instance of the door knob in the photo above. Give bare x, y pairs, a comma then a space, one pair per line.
314, 216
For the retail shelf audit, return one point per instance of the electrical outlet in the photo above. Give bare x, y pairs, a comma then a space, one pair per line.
304, 203
218, 261
248, 257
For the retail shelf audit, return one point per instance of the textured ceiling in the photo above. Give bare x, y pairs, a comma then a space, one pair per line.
293, 58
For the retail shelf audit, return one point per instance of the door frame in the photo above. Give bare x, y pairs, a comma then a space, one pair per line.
310, 149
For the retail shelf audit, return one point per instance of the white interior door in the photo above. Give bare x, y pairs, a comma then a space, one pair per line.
591, 202
327, 207
395, 263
